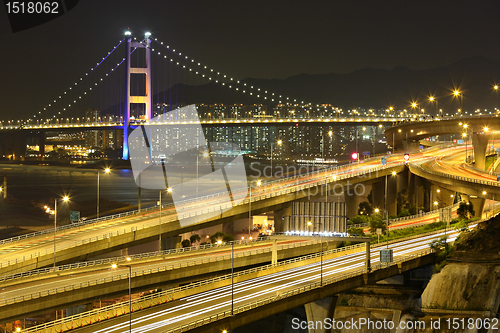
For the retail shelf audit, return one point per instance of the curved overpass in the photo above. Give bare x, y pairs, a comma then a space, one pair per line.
477, 128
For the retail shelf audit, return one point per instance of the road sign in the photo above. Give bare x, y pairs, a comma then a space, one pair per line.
74, 216
379, 231
383, 161
366, 153
407, 158
386, 255
445, 215
354, 156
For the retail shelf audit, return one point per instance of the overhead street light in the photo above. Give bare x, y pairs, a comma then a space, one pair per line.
107, 170
64, 199
114, 266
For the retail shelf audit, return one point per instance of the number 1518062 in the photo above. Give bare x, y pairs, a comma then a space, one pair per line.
32, 7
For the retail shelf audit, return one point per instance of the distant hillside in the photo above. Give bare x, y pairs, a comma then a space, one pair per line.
370, 87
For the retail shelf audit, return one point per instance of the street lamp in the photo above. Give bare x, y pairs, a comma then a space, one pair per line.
330, 133
205, 154
459, 95
107, 170
433, 99
169, 190
279, 142
114, 266
414, 106
64, 199
250, 224
394, 173
309, 223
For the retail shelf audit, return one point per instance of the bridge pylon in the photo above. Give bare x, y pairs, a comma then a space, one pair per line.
135, 99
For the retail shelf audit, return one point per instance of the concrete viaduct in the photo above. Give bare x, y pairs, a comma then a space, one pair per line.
406, 135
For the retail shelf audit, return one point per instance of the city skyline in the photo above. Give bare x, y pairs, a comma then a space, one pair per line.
292, 39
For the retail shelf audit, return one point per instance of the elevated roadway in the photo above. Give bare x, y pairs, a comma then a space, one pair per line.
84, 241
205, 309
477, 128
46, 291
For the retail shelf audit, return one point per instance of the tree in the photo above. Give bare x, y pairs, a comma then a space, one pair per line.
359, 219
186, 243
466, 210
227, 238
194, 238
404, 212
462, 226
219, 235
356, 231
403, 201
377, 222
365, 208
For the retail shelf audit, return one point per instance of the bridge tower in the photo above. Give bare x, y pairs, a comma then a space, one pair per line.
134, 99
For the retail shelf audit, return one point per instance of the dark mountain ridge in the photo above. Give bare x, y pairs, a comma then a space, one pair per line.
370, 87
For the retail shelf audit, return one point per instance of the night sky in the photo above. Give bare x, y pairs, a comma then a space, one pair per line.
261, 39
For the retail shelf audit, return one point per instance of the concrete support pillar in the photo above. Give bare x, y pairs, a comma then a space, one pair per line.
391, 195
274, 260
41, 144
319, 310
378, 194
444, 197
352, 202
4, 187
480, 141
427, 190
368, 264
278, 217
478, 206
171, 242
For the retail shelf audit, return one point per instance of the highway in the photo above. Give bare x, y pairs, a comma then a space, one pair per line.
196, 307
24, 249
16, 289
43, 244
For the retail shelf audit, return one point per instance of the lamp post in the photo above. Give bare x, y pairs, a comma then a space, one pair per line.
232, 278
250, 224
386, 208
433, 99
460, 96
64, 199
414, 106
309, 223
279, 142
129, 290
107, 170
330, 133
205, 154
169, 190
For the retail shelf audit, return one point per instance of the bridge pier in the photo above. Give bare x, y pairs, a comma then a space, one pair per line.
351, 202
444, 197
173, 242
279, 224
378, 189
41, 144
392, 194
479, 142
319, 311
478, 204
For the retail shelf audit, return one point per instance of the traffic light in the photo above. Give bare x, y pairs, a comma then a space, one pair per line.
355, 156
